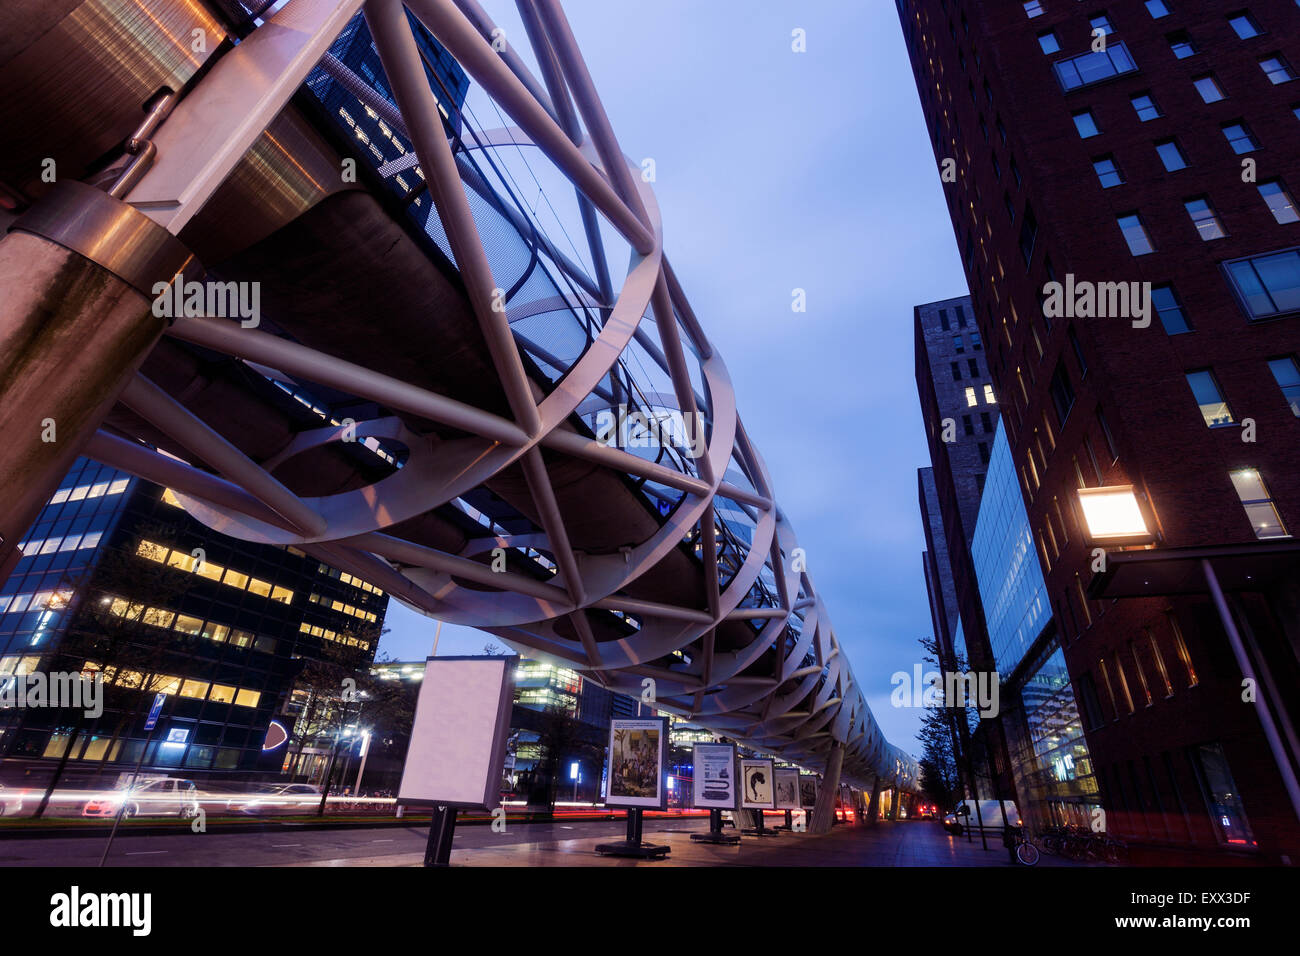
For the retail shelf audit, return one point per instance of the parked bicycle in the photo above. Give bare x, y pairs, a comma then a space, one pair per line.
1080, 843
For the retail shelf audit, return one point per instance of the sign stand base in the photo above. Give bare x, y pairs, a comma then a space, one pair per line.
760, 829
715, 834
633, 846
441, 831
789, 822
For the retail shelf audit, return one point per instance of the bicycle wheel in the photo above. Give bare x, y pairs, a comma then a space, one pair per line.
1027, 854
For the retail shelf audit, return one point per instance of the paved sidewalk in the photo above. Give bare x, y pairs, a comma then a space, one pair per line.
919, 843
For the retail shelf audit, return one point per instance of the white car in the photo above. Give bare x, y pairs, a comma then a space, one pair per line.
163, 796
11, 802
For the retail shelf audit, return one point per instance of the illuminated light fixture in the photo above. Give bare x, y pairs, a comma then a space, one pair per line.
1113, 513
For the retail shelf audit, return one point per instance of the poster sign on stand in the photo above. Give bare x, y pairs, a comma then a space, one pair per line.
787, 789
635, 780
714, 786
714, 789
458, 743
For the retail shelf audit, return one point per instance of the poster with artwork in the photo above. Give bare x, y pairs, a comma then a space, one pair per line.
714, 786
757, 787
636, 762
808, 790
787, 789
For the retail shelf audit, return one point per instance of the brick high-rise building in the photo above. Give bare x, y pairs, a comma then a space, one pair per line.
959, 406
960, 409
1155, 144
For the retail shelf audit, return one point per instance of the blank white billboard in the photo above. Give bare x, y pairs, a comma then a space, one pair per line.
458, 742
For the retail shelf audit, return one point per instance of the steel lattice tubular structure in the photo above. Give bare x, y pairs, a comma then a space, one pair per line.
427, 402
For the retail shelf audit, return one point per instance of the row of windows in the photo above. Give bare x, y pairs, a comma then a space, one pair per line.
317, 631
329, 602
214, 572
973, 366
1266, 286
1214, 405
972, 399
54, 600
186, 624
170, 684
1153, 680
95, 490
69, 542
351, 579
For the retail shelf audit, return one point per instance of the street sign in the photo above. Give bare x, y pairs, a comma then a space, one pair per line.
152, 721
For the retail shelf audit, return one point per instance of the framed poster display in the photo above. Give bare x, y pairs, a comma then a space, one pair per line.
808, 790
458, 738
757, 787
637, 747
787, 789
714, 786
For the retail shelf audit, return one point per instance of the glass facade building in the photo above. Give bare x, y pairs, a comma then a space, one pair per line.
116, 580
1010, 580
1048, 751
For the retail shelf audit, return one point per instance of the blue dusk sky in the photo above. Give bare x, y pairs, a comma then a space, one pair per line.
777, 170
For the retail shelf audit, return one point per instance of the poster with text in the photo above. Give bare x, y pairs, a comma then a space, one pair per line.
757, 790
636, 762
787, 789
714, 786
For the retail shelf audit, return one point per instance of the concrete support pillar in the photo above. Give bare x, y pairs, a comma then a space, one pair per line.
823, 814
873, 806
76, 321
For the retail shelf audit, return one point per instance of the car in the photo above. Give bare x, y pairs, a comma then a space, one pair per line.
11, 802
160, 796
986, 813
277, 798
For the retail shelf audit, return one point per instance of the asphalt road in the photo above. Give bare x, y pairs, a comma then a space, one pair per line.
293, 845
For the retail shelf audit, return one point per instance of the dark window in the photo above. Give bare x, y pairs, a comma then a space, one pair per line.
1267, 285
1286, 371
1078, 352
1240, 138
1277, 69
1086, 124
943, 319
967, 425
1145, 107
986, 420
1094, 67
974, 366
1105, 433
984, 452
956, 371
1181, 44
1170, 310
1028, 235
1108, 173
1062, 393
1171, 155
